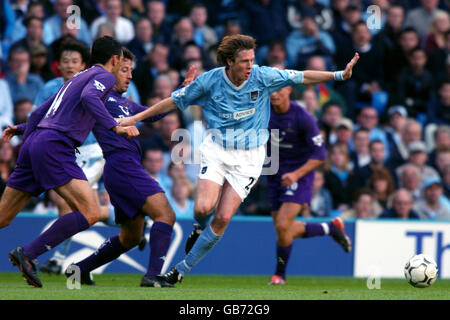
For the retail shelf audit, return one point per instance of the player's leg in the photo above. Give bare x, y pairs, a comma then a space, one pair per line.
285, 224
11, 203
229, 202
85, 212
157, 207
205, 201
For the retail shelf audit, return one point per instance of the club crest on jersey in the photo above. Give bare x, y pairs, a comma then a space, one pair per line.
318, 140
254, 95
99, 86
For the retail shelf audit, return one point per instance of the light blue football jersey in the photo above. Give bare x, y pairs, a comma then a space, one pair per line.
237, 117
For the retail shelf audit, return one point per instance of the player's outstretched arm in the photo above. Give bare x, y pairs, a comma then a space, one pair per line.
163, 106
311, 77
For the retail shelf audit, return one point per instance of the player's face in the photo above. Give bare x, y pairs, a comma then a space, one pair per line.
241, 67
123, 76
70, 64
280, 97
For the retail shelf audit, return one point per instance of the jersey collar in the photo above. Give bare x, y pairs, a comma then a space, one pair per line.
231, 83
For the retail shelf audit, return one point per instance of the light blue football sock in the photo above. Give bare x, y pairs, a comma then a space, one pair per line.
204, 221
205, 242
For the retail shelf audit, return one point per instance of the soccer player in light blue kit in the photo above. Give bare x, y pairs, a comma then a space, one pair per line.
235, 100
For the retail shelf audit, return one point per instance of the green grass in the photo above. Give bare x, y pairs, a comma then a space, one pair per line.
215, 287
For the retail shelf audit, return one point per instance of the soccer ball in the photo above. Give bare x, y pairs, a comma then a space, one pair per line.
421, 271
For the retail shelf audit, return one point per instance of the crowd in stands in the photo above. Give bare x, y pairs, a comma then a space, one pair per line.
387, 129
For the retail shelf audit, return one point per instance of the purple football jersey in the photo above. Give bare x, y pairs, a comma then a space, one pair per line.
79, 104
120, 107
299, 137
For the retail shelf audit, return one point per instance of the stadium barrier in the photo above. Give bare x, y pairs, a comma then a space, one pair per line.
381, 247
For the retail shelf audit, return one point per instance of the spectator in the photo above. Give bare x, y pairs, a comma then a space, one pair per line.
342, 132
324, 91
105, 29
163, 139
377, 154
446, 181
133, 10
382, 186
436, 38
441, 138
163, 86
52, 25
7, 21
397, 117
277, 54
156, 12
303, 43
322, 15
439, 108
397, 59
402, 204
34, 9
180, 198
413, 87
142, 43
154, 64
183, 32
33, 36
368, 119
410, 180
39, 64
339, 179
321, 201
388, 37
442, 159
123, 28
360, 156
191, 51
21, 110
364, 206
309, 102
21, 83
437, 62
411, 131
421, 18
342, 33
331, 114
338, 12
418, 156
154, 165
204, 35
265, 20
433, 203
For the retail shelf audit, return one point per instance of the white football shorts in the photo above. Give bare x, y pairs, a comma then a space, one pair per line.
241, 168
90, 160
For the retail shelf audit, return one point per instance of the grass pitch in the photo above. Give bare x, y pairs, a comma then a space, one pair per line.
215, 287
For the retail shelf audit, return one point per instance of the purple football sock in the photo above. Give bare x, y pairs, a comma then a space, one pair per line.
283, 254
110, 250
63, 228
160, 236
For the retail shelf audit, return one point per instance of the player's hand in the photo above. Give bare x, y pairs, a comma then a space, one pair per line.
190, 76
347, 74
9, 132
127, 121
288, 178
130, 131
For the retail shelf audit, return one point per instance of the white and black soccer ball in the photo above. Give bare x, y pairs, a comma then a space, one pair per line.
421, 271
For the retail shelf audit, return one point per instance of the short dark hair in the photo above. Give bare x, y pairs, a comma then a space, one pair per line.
408, 30
127, 54
27, 20
74, 45
231, 45
414, 50
105, 48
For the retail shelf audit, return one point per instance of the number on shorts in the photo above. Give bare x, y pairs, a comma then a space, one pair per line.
247, 187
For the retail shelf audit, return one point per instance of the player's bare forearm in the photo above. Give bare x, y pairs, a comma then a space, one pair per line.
163, 106
309, 166
311, 76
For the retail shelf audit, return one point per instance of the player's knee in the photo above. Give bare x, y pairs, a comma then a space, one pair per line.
281, 227
92, 216
128, 240
202, 210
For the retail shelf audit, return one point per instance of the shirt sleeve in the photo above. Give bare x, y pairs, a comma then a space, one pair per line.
275, 79
191, 94
313, 137
91, 98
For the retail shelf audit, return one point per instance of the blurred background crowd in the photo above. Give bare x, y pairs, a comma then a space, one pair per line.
386, 130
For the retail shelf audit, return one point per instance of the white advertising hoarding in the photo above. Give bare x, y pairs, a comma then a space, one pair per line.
383, 247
